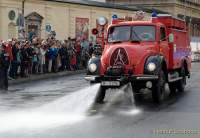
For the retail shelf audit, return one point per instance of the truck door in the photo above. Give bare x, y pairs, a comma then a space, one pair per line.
164, 47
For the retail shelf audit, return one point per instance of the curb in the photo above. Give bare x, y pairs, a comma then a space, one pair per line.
45, 76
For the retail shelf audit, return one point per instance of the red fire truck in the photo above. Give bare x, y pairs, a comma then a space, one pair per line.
147, 54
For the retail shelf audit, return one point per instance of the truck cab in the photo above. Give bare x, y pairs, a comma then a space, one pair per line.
146, 54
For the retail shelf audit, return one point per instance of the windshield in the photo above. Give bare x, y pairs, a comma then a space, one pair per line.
131, 33
119, 34
143, 33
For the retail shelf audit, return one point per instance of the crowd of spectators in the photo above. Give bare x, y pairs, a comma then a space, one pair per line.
40, 56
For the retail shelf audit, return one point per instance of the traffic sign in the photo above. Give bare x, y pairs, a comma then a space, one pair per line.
48, 28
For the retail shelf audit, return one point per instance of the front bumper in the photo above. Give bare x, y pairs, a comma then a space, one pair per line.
120, 80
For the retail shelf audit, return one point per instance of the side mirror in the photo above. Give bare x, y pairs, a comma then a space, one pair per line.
171, 38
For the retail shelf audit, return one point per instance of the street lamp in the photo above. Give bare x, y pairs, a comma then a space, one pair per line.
102, 21
23, 5
185, 10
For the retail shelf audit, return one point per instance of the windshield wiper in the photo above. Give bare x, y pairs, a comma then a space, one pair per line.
135, 40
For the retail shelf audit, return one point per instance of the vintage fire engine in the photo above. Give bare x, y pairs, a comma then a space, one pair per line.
147, 54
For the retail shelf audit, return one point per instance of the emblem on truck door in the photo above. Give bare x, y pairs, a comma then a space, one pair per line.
119, 57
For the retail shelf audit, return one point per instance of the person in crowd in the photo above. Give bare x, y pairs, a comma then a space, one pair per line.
29, 51
19, 57
4, 65
58, 59
73, 62
8, 50
14, 63
42, 59
69, 48
85, 52
52, 56
85, 44
78, 53
24, 60
35, 60
91, 48
63, 52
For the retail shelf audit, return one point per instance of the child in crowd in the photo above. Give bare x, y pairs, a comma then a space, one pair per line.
73, 62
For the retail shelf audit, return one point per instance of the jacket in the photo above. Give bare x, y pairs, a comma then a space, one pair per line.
52, 53
4, 60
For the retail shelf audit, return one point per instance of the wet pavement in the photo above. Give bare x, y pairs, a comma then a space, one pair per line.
62, 108
34, 94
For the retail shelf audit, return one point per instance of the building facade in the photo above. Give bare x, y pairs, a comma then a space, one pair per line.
184, 9
66, 18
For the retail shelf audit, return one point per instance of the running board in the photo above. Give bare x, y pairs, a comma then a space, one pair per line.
175, 79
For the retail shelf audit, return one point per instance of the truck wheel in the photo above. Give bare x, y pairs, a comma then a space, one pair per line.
100, 95
181, 83
92, 83
158, 90
172, 88
137, 95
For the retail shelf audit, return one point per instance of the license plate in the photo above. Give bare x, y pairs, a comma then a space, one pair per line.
110, 83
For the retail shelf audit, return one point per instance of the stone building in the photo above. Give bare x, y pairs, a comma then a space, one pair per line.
67, 18
184, 9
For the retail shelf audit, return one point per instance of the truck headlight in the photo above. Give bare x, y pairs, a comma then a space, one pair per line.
92, 67
151, 67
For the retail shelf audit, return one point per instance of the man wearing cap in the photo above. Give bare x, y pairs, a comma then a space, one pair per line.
4, 65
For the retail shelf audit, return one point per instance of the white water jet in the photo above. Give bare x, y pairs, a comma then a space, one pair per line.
67, 110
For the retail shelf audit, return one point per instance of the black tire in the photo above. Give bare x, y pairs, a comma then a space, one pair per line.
182, 83
100, 95
137, 95
172, 88
158, 89
92, 83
